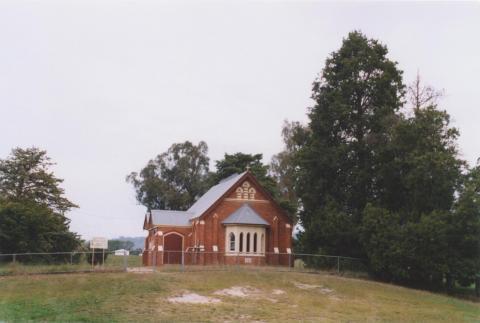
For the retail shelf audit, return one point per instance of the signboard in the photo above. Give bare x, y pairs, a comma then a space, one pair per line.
99, 243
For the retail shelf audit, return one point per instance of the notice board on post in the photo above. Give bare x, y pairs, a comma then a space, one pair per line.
99, 243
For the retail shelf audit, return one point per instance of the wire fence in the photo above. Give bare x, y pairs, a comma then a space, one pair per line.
108, 261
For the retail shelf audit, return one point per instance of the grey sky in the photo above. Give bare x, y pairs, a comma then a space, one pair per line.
104, 86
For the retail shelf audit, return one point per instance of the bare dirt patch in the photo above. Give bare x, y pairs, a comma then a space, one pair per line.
244, 318
140, 270
192, 298
321, 288
306, 286
239, 291
250, 293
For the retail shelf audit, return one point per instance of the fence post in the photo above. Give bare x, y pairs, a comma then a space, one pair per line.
338, 264
71, 258
14, 256
124, 260
155, 260
183, 261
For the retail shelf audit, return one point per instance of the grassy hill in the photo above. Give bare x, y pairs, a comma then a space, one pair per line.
242, 295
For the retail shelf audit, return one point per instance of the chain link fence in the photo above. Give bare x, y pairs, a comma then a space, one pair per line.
107, 261
65, 262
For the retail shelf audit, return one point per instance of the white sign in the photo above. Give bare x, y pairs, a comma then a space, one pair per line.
99, 243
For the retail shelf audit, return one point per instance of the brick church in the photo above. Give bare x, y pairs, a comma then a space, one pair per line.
235, 222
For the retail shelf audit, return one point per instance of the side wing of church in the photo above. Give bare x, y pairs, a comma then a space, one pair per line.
235, 222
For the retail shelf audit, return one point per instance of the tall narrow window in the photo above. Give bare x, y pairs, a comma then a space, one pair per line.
248, 242
262, 242
240, 242
232, 241
255, 242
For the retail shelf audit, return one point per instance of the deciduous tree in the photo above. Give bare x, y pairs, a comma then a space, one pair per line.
174, 179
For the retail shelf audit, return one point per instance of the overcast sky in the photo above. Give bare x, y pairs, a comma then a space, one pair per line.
104, 86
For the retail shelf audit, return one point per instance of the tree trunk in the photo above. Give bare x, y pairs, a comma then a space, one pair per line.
477, 286
449, 282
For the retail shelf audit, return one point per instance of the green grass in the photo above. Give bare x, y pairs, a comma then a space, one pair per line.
120, 297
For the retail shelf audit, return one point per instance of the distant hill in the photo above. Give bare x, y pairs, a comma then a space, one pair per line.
138, 241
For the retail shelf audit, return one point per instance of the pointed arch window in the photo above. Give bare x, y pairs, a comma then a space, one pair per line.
248, 242
255, 242
232, 241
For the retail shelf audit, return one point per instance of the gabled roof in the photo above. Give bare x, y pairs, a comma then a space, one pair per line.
213, 194
204, 203
168, 217
245, 215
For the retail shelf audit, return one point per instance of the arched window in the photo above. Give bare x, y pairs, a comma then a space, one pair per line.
248, 242
262, 242
240, 242
232, 241
255, 242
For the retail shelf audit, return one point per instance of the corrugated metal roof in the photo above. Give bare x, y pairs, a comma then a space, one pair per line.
213, 194
168, 217
245, 215
182, 218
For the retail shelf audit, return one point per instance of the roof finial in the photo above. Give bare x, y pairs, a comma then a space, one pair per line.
247, 168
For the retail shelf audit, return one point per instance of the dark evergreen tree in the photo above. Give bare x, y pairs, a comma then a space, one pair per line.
31, 227
416, 186
356, 100
463, 234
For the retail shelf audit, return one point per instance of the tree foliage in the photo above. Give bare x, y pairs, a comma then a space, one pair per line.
26, 176
239, 162
356, 99
32, 205
31, 227
283, 166
418, 184
463, 234
174, 179
380, 178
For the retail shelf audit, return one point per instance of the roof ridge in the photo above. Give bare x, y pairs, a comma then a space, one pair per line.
228, 178
245, 214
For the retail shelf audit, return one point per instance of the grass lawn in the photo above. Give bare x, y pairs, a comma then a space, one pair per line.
277, 296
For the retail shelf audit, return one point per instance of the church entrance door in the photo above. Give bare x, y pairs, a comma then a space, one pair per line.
172, 246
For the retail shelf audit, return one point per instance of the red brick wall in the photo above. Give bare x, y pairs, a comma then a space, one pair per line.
208, 231
151, 257
265, 208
